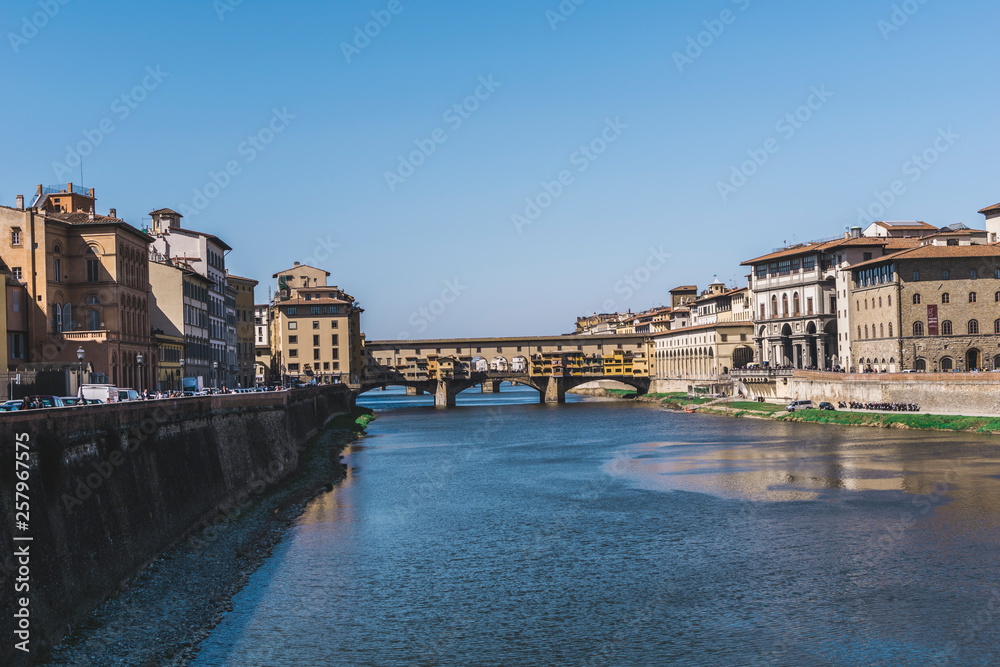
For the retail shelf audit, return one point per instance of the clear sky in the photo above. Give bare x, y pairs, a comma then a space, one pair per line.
309, 130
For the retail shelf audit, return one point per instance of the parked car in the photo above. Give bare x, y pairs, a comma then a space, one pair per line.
128, 395
46, 401
826, 406
799, 405
73, 400
10, 406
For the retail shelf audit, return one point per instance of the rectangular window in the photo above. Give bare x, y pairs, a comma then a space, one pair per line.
58, 270
809, 305
314, 310
946, 274
336, 353
292, 326
15, 237
15, 301
316, 341
315, 355
309, 297
973, 274
326, 365
867, 257
293, 353
293, 311
17, 346
760, 270
809, 263
336, 365
293, 340
316, 324
293, 368
916, 276
784, 267
333, 324
795, 265
16, 273
336, 339
93, 320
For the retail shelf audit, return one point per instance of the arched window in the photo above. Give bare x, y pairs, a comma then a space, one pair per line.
890, 300
916, 299
774, 305
947, 364
880, 302
946, 329
866, 332
881, 331
973, 327
890, 329
945, 298
784, 305
996, 297
859, 332
996, 326
795, 303
972, 297
921, 364
918, 328
57, 249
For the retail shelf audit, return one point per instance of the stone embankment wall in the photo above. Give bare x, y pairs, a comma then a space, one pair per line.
112, 487
955, 393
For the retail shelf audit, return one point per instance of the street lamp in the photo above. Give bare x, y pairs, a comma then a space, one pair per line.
215, 374
138, 360
79, 376
181, 387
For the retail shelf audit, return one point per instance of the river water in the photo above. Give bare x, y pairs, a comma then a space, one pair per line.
606, 533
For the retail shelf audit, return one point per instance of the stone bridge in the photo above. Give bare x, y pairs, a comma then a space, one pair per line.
551, 365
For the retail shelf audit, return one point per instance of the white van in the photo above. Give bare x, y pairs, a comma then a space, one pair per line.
128, 395
105, 393
799, 405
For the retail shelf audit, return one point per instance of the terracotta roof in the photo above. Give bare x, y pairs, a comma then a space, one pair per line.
703, 327
247, 280
802, 249
685, 288
990, 209
937, 251
904, 225
85, 219
300, 266
956, 232
166, 211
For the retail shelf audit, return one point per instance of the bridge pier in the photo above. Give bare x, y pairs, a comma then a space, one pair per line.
413, 391
555, 391
491, 387
444, 396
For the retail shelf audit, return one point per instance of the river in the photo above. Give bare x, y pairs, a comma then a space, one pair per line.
608, 533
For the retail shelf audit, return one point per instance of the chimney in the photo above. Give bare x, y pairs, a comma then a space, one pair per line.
20, 202
113, 213
297, 264
39, 190
91, 216
855, 232
91, 192
69, 188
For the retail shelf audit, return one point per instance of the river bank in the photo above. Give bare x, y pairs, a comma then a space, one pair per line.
776, 412
164, 613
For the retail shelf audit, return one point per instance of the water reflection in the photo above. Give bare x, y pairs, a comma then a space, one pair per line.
610, 534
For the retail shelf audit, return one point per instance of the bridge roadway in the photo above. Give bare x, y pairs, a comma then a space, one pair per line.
549, 364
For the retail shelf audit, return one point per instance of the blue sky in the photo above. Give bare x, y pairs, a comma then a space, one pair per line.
439, 252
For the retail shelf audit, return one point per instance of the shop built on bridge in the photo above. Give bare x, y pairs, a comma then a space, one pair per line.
551, 365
